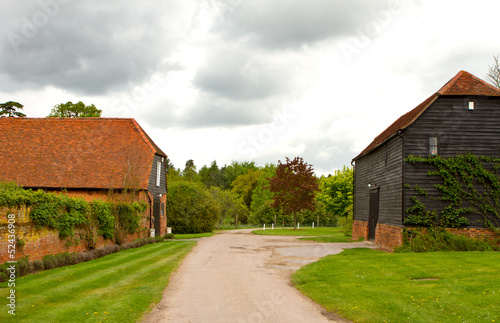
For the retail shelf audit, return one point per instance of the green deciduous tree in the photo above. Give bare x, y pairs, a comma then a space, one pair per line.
74, 110
232, 209
244, 185
190, 208
294, 187
8, 109
336, 191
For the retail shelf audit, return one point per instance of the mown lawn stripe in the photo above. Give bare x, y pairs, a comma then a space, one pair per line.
119, 287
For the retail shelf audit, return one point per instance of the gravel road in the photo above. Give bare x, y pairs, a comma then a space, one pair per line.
236, 276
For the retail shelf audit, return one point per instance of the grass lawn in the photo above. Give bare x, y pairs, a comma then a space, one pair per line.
366, 285
193, 235
116, 288
320, 234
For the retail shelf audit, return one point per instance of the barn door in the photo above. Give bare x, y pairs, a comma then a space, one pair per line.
373, 214
156, 215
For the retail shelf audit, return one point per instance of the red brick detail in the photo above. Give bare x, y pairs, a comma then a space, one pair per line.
388, 236
391, 236
359, 230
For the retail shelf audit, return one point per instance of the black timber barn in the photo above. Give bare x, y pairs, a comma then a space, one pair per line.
462, 117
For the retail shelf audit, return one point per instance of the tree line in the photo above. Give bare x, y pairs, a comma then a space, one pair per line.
282, 194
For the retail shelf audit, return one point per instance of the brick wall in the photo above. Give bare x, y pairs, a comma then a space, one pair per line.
359, 230
42, 242
390, 236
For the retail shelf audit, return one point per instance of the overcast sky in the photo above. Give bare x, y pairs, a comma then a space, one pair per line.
244, 80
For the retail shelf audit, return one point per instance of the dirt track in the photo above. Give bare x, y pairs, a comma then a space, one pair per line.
236, 276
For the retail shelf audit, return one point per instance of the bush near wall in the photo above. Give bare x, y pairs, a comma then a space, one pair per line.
190, 208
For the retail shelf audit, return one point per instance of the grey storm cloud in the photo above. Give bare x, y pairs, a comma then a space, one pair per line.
210, 111
236, 73
88, 47
284, 24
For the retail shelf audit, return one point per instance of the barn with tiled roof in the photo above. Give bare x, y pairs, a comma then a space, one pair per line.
87, 157
462, 117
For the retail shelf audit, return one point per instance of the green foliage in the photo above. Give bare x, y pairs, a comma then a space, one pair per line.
438, 239
346, 222
261, 194
190, 208
75, 110
232, 209
128, 218
336, 192
169, 236
9, 109
470, 184
244, 185
102, 212
60, 212
67, 215
266, 214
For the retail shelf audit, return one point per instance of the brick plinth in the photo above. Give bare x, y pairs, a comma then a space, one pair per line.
391, 236
359, 230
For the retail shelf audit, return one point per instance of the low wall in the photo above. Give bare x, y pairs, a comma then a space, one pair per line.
391, 236
41, 242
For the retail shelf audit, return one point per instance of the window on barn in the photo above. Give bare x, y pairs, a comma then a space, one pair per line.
158, 173
433, 146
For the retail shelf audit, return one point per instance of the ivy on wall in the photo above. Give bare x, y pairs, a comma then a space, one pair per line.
469, 184
68, 215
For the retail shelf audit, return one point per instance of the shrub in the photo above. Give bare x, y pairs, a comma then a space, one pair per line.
159, 239
169, 236
23, 266
438, 239
38, 265
190, 208
48, 262
346, 222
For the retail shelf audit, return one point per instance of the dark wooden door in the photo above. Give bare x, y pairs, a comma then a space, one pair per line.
373, 215
156, 215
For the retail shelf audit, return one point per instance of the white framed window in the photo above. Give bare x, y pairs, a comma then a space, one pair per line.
158, 173
433, 146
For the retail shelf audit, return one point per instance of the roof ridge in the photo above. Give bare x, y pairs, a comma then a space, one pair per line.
451, 82
480, 87
462, 84
143, 136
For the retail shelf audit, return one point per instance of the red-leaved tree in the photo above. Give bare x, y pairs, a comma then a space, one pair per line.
294, 187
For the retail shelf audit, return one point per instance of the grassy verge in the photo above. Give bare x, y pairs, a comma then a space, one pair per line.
372, 286
116, 288
320, 234
193, 235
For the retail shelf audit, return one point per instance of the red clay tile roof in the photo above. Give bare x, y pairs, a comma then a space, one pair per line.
91, 153
463, 83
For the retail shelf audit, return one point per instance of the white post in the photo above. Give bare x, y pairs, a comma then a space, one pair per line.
313, 225
264, 227
272, 226
298, 226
